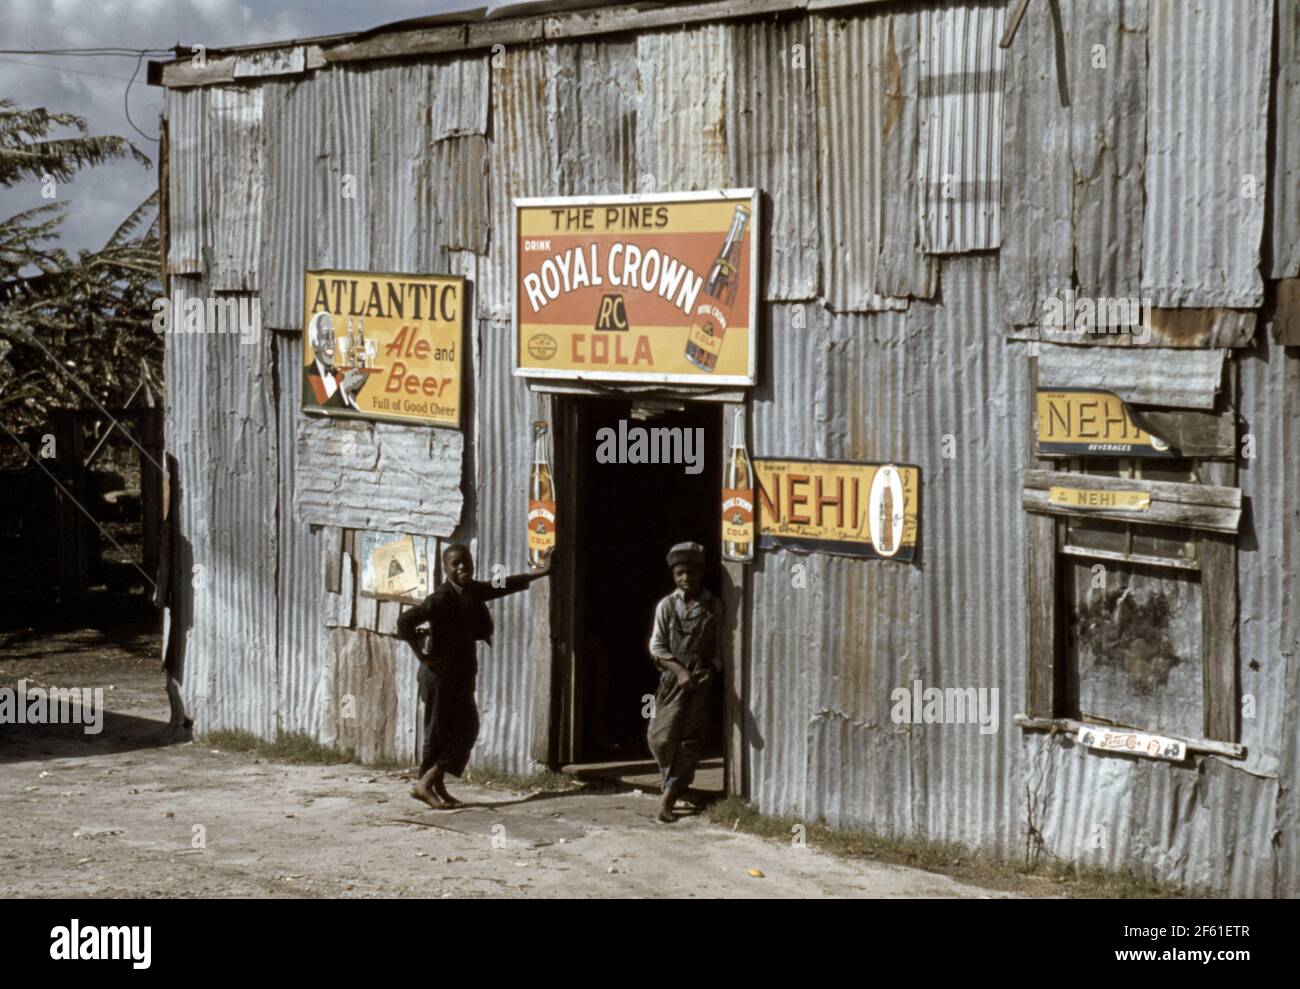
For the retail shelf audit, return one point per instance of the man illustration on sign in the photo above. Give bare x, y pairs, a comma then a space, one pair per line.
322, 384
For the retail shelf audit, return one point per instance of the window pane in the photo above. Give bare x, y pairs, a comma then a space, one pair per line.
1097, 534
1164, 540
1180, 471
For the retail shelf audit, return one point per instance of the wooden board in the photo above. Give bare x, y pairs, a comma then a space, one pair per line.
1207, 507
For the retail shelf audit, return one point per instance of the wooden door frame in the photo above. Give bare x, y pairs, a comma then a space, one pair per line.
557, 700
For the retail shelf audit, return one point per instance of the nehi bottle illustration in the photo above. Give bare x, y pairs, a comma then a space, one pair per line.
541, 498
738, 498
887, 523
707, 330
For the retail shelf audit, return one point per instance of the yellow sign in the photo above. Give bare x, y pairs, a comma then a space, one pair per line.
1085, 498
660, 288
380, 346
1089, 422
853, 509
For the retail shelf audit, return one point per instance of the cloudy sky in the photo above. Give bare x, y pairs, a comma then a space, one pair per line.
94, 88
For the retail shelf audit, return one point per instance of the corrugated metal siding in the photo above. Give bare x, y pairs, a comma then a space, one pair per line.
1209, 75
379, 476
681, 125
340, 235
187, 114
228, 477
658, 112
300, 590
290, 118
773, 139
1270, 558
866, 162
399, 161
460, 97
1184, 379
1284, 184
960, 132
1037, 253
237, 181
1108, 116
825, 658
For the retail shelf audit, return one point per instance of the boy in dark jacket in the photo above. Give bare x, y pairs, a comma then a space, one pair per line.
458, 618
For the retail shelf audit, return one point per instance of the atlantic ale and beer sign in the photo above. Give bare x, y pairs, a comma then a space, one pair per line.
383, 346
846, 508
660, 288
1092, 423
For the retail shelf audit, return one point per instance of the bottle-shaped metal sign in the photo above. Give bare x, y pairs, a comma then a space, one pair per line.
738, 498
704, 343
541, 498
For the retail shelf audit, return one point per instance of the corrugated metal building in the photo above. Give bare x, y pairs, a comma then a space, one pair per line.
926, 194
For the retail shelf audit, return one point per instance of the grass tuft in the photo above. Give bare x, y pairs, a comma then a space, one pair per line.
293, 747
957, 861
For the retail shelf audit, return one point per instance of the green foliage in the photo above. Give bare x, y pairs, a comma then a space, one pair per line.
93, 313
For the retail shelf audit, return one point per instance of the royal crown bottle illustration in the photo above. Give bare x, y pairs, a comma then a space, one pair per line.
541, 498
704, 343
738, 498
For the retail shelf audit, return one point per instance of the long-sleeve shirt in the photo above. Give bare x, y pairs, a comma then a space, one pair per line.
457, 618
688, 631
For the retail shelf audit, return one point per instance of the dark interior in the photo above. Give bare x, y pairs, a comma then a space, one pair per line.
629, 515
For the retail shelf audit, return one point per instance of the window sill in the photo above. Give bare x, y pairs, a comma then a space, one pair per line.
1204, 746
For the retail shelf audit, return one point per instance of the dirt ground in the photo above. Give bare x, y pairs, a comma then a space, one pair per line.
124, 813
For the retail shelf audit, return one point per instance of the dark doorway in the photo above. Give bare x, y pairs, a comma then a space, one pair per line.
627, 517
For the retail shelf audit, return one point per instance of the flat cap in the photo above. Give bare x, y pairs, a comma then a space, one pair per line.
686, 553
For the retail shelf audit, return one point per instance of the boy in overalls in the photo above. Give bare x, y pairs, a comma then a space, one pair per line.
685, 646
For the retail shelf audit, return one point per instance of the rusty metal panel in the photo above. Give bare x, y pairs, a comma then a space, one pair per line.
1106, 49
607, 107
187, 179
460, 169
378, 475
1206, 171
1184, 379
1284, 181
289, 117
832, 640
681, 126
221, 428
1174, 822
867, 166
340, 234
1037, 253
773, 147
459, 97
236, 143
524, 160
300, 592
502, 458
960, 130
399, 156
1268, 557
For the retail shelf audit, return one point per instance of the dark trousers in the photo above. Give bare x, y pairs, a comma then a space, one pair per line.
677, 731
450, 724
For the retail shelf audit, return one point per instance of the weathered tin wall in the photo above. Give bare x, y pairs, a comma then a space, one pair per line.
885, 341
221, 426
937, 387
